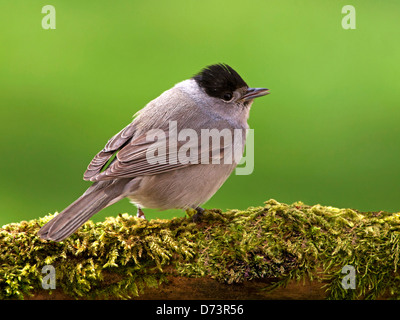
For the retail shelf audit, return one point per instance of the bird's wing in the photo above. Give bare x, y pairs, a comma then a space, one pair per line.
137, 156
114, 144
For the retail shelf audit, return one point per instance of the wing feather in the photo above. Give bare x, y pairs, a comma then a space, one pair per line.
136, 156
141, 157
113, 145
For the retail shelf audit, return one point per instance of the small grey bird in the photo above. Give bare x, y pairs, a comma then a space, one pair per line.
129, 165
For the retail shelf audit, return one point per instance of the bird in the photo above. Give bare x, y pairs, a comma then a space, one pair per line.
141, 163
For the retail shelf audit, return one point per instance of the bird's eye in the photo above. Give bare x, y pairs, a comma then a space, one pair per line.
227, 96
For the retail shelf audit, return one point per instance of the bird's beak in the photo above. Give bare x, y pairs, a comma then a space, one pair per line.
252, 93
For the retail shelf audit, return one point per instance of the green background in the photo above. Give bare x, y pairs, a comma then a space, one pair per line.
328, 133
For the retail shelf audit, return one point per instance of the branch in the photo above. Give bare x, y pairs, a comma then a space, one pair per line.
258, 253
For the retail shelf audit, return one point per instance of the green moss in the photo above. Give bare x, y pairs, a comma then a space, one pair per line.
122, 256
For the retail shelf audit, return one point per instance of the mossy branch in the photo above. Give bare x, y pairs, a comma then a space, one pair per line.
274, 244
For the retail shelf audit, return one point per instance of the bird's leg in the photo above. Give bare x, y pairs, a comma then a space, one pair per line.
198, 215
140, 213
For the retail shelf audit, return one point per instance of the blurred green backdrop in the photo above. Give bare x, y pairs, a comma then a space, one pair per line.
328, 133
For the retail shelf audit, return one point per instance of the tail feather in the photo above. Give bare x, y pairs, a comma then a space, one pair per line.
97, 197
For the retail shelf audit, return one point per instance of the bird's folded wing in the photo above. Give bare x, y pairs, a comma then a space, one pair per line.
113, 145
147, 155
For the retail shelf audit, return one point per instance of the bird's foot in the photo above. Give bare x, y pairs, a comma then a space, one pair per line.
197, 217
140, 214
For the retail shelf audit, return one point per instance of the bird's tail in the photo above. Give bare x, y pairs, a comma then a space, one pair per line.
100, 195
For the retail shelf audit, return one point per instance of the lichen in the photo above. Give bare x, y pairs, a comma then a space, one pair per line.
124, 255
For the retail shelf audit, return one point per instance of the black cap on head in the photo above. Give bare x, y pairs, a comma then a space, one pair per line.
219, 80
